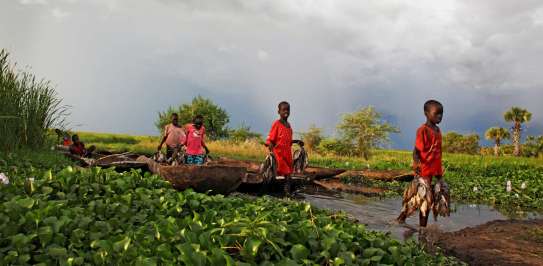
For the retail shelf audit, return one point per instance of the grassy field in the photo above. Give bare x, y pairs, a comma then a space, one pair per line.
472, 178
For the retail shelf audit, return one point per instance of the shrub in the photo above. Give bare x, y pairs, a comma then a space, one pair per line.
457, 143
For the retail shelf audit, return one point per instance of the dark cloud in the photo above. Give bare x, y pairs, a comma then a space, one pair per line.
119, 62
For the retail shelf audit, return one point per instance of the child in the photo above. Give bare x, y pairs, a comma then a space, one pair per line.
426, 163
280, 142
78, 148
195, 141
174, 136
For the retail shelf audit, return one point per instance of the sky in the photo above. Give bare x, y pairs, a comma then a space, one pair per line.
117, 63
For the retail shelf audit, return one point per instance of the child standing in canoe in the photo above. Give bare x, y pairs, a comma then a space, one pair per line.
196, 147
174, 136
280, 142
426, 164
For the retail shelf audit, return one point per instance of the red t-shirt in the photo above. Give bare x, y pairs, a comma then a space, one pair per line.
78, 149
428, 143
195, 140
281, 136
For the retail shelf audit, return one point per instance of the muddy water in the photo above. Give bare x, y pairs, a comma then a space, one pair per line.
379, 214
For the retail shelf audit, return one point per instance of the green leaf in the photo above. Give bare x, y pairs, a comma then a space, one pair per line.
339, 261
58, 252
45, 234
122, 245
369, 252
46, 190
252, 245
299, 252
48, 175
25, 203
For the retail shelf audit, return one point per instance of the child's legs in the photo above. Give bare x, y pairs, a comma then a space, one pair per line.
287, 184
423, 219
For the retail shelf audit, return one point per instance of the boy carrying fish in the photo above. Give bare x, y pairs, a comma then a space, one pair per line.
427, 165
196, 147
280, 141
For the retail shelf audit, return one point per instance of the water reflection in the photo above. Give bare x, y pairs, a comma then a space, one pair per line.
379, 214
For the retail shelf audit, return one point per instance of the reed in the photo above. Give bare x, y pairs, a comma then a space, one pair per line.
28, 107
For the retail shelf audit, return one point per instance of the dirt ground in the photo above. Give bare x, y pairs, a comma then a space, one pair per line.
496, 243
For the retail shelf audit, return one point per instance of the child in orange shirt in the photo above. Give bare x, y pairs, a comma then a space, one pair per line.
280, 142
426, 163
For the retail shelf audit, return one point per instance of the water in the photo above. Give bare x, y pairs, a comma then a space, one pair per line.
380, 214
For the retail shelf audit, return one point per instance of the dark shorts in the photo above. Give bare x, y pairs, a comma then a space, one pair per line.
195, 159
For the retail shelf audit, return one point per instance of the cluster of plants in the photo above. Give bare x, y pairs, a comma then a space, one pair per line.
488, 184
454, 142
28, 107
359, 134
99, 216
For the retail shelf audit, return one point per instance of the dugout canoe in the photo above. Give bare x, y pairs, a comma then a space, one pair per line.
216, 178
253, 169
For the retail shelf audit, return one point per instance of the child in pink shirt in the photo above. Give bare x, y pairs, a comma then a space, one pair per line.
196, 147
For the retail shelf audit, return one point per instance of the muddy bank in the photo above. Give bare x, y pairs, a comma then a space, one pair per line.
511, 242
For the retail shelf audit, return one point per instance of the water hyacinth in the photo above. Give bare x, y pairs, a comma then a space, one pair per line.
4, 179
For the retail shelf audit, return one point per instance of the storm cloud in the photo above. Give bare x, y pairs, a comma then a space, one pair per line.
119, 62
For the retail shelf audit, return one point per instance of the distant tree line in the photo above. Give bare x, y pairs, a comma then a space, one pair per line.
360, 132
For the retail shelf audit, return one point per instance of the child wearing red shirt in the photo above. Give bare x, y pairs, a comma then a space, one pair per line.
426, 163
196, 147
280, 142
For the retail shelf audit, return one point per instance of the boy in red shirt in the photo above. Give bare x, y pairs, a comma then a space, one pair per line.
196, 147
280, 142
426, 163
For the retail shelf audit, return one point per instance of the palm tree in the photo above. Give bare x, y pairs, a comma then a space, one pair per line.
518, 116
497, 134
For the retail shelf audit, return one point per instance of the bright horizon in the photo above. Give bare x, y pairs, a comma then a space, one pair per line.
119, 62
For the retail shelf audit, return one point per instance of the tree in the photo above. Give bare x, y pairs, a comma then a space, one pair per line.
365, 130
215, 118
518, 116
533, 146
243, 133
497, 134
312, 137
457, 143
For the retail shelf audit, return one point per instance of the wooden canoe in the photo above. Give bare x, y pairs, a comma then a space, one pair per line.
254, 177
216, 179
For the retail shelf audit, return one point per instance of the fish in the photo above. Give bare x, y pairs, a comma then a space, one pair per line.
418, 195
300, 160
268, 169
442, 199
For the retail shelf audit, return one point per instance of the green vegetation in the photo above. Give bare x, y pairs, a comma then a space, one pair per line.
215, 118
312, 138
457, 143
98, 216
364, 130
533, 146
463, 172
518, 116
497, 134
243, 133
28, 108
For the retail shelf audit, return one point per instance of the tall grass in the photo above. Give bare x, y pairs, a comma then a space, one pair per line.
28, 107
